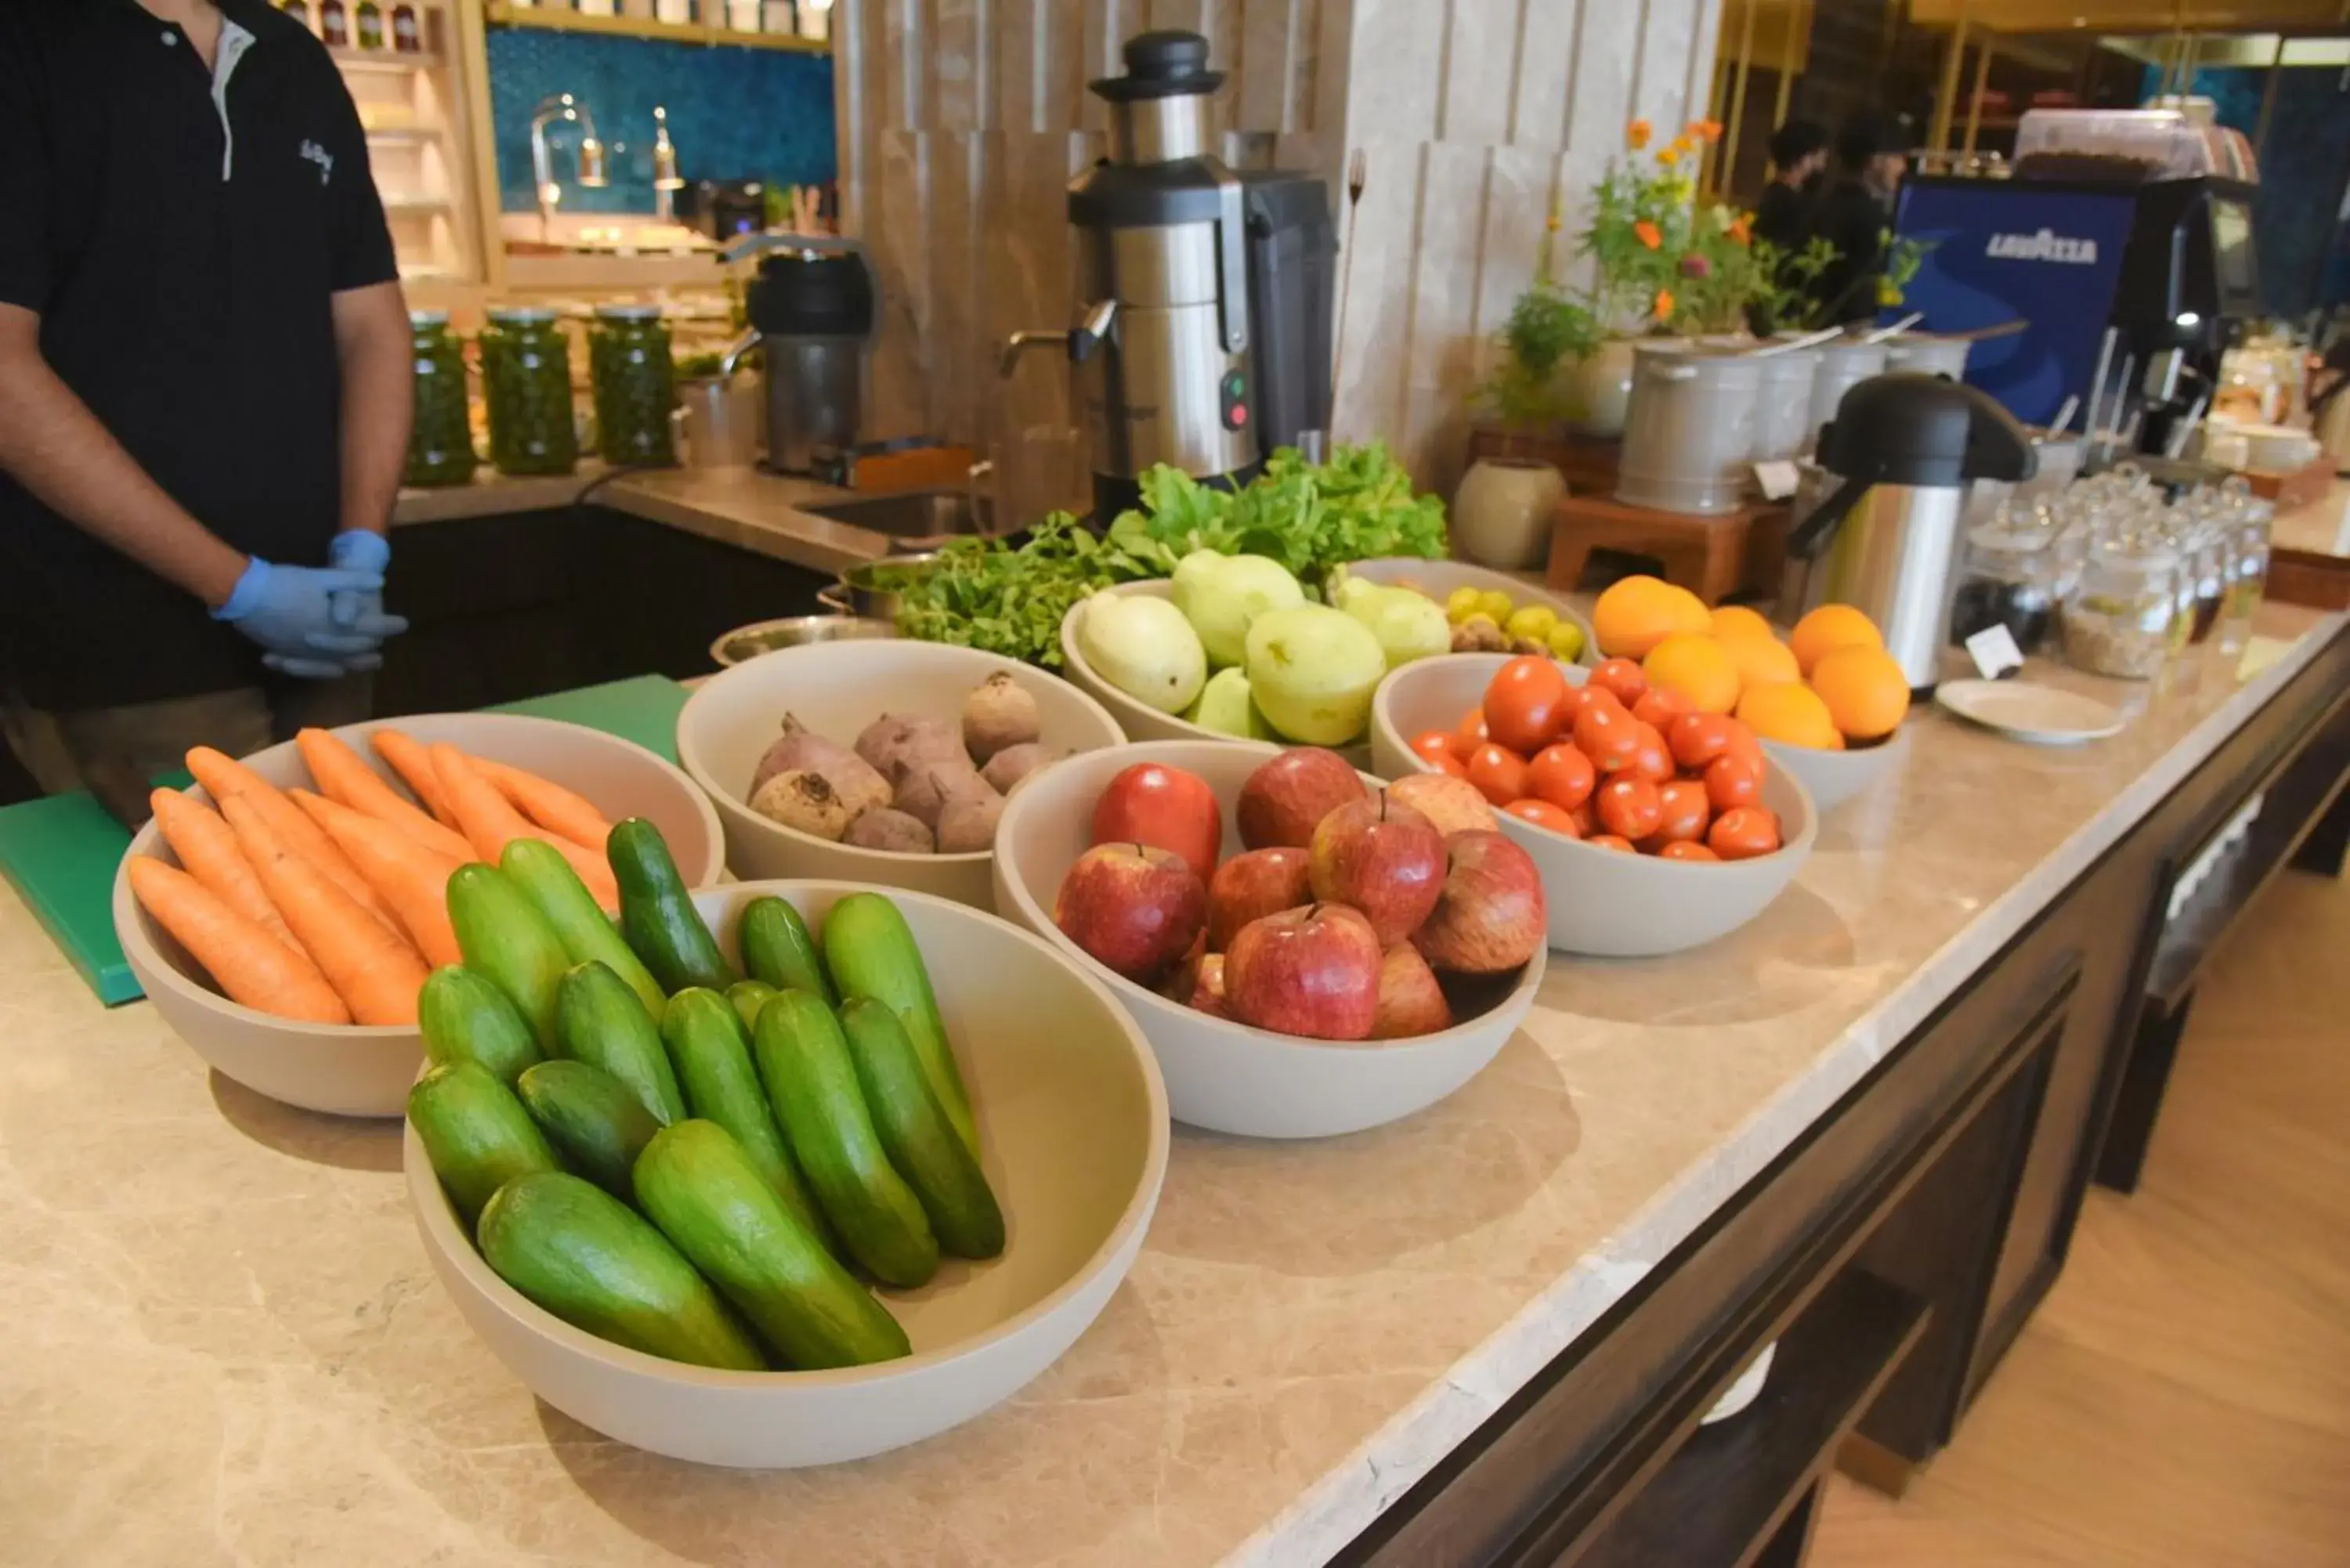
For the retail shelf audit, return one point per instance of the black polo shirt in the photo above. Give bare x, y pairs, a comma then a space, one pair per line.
182, 232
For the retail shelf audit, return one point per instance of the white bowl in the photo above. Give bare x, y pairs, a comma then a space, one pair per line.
1073, 1116
1834, 777
364, 1070
1222, 1074
1602, 902
1439, 578
835, 690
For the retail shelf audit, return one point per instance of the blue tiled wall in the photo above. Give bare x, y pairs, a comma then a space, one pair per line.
734, 113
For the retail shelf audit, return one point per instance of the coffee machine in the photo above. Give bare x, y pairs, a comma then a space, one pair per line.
1202, 334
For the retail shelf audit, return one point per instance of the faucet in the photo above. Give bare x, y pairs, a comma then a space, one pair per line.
666, 183
562, 106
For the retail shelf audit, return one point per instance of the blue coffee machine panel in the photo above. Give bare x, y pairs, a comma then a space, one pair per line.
2006, 248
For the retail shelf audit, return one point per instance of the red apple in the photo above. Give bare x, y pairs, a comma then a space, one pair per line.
1251, 885
1151, 803
1491, 917
1382, 858
1283, 801
1312, 972
1453, 805
1135, 908
1410, 1001
1208, 988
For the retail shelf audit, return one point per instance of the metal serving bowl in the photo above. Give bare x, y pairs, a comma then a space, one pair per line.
792, 631
871, 590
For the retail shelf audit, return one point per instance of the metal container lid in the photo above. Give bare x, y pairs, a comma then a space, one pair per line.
1170, 63
627, 313
812, 294
1904, 427
428, 318
522, 315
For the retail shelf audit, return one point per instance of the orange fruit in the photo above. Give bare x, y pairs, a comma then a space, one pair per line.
1865, 693
1637, 613
1698, 668
1760, 660
1791, 713
1829, 628
1737, 621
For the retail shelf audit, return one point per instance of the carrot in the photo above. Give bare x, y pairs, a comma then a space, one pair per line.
414, 880
377, 974
208, 852
546, 803
250, 965
347, 780
414, 763
489, 820
223, 777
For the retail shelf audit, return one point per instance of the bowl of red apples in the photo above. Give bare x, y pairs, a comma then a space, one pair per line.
1309, 951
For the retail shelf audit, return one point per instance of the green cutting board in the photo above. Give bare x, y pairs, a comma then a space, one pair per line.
60, 852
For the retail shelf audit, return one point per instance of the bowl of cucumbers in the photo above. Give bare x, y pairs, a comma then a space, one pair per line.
878, 1162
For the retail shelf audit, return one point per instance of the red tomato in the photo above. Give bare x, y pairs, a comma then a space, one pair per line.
1698, 738
1733, 781
1541, 814
1628, 807
1449, 764
1522, 705
1687, 849
1687, 811
1743, 832
1612, 841
1433, 746
1561, 775
1744, 744
1660, 706
1584, 821
1571, 708
1469, 734
1499, 773
1653, 761
1622, 677
1607, 734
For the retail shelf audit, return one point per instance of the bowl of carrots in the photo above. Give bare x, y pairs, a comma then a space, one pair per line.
283, 913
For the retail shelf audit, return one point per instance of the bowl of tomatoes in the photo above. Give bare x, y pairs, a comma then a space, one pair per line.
1658, 828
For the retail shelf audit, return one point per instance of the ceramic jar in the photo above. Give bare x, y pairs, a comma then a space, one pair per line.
1502, 513
1599, 389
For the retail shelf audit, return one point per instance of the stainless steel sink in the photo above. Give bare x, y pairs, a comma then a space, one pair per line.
932, 514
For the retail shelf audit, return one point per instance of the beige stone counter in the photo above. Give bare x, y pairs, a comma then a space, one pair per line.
225, 1345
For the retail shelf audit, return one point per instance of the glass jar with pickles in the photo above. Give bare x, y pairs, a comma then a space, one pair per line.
441, 440
527, 382
629, 367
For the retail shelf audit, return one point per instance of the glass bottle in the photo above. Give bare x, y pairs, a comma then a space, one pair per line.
406, 36
300, 11
440, 442
527, 382
629, 367
333, 23
2010, 580
2119, 616
370, 25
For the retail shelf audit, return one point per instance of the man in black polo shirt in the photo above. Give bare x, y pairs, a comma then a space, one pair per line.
204, 369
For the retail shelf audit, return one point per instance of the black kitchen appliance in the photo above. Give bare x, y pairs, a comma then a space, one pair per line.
725, 210
811, 310
1204, 309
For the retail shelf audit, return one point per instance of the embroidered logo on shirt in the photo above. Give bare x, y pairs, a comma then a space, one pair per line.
322, 158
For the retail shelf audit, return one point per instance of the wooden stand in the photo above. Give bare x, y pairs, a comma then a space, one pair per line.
1711, 556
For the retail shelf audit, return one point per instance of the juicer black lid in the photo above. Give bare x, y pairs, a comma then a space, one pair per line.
811, 293
1904, 428
1168, 64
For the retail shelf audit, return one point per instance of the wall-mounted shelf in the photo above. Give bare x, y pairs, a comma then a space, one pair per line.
353, 59
503, 13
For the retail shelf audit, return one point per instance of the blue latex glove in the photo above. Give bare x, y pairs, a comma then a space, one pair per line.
358, 550
290, 611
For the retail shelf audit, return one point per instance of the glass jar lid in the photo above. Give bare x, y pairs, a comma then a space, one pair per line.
627, 313
428, 318
522, 316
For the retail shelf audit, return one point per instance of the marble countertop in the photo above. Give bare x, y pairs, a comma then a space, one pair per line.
227, 1346
752, 510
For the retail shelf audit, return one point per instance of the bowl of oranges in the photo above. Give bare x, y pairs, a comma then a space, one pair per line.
1657, 825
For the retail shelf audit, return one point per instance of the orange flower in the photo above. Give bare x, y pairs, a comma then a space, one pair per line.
1742, 228
1551, 222
1637, 133
1668, 156
1664, 304
1649, 234
1704, 130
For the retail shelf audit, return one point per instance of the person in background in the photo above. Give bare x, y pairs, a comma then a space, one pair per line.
1799, 156
1853, 215
204, 390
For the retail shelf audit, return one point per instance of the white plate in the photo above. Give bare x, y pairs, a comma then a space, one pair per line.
2043, 715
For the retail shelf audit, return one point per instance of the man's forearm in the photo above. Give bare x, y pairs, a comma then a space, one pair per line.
378, 368
55, 448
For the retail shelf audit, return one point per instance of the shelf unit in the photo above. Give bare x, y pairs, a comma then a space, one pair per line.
414, 110
556, 17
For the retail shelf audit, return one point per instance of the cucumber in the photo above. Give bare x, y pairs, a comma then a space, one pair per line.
871, 953
508, 942
604, 1025
547, 879
713, 1055
748, 996
594, 1121
921, 1141
599, 1265
811, 1084
701, 1187
476, 1133
777, 949
465, 1018
656, 914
